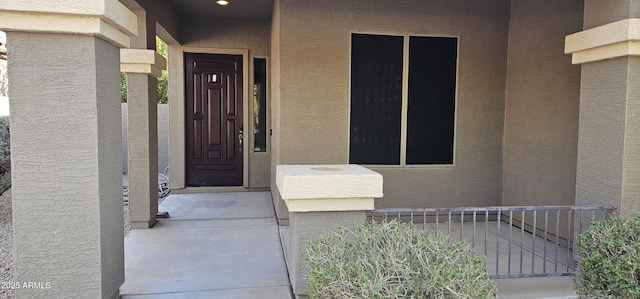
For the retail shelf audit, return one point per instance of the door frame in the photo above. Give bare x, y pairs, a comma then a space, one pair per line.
177, 116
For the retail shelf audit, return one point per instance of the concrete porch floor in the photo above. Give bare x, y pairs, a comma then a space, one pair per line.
215, 245
227, 245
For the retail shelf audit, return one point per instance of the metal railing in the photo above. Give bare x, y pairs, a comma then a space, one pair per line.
523, 241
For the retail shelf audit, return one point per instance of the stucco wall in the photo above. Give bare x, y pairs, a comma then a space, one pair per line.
313, 77
598, 12
163, 136
542, 104
66, 139
232, 35
162, 12
608, 145
280, 206
229, 34
609, 138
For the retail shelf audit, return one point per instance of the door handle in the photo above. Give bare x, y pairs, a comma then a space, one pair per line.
240, 137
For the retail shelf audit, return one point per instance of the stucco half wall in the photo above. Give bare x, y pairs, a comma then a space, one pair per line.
312, 104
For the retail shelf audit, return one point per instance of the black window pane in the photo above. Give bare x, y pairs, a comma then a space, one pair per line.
431, 103
376, 99
260, 105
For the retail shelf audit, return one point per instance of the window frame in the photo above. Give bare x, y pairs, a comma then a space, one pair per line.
405, 99
267, 107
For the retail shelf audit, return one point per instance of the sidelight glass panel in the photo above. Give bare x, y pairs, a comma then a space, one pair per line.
260, 105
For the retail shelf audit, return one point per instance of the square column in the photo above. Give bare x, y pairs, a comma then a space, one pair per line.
320, 198
143, 67
608, 166
66, 145
177, 119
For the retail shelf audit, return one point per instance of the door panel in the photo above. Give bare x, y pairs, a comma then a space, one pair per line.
214, 120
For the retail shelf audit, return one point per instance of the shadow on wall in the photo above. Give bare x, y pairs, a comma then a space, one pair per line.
163, 137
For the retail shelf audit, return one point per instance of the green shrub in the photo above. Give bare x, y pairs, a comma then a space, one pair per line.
609, 259
5, 154
123, 87
163, 80
392, 260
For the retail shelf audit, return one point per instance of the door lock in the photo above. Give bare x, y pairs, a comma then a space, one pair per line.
240, 138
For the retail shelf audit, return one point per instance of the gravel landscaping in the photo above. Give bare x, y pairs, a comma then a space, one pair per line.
6, 243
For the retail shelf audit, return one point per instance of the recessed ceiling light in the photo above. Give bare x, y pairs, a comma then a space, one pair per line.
222, 2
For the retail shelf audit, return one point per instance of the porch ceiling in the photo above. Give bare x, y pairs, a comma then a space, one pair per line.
237, 9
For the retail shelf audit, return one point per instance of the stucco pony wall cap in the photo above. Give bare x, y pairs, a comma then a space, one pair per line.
327, 181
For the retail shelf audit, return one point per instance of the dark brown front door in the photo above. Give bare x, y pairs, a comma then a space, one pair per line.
214, 120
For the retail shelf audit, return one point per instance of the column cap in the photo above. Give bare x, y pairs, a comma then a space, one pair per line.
308, 188
108, 19
141, 61
618, 39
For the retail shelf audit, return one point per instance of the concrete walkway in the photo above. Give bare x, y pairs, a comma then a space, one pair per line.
536, 288
215, 245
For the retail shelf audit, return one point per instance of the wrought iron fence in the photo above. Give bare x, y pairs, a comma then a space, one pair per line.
522, 241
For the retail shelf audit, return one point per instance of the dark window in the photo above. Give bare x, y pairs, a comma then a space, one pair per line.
377, 104
259, 105
431, 102
376, 99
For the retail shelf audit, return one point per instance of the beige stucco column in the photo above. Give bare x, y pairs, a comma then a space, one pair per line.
66, 145
321, 198
608, 165
143, 67
177, 129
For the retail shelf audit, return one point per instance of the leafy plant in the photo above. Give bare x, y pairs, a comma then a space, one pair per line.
161, 48
123, 87
609, 259
392, 260
5, 154
162, 88
163, 80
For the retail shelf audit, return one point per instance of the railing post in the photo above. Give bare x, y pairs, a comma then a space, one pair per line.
321, 198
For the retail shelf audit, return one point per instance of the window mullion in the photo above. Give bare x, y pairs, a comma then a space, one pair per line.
405, 102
